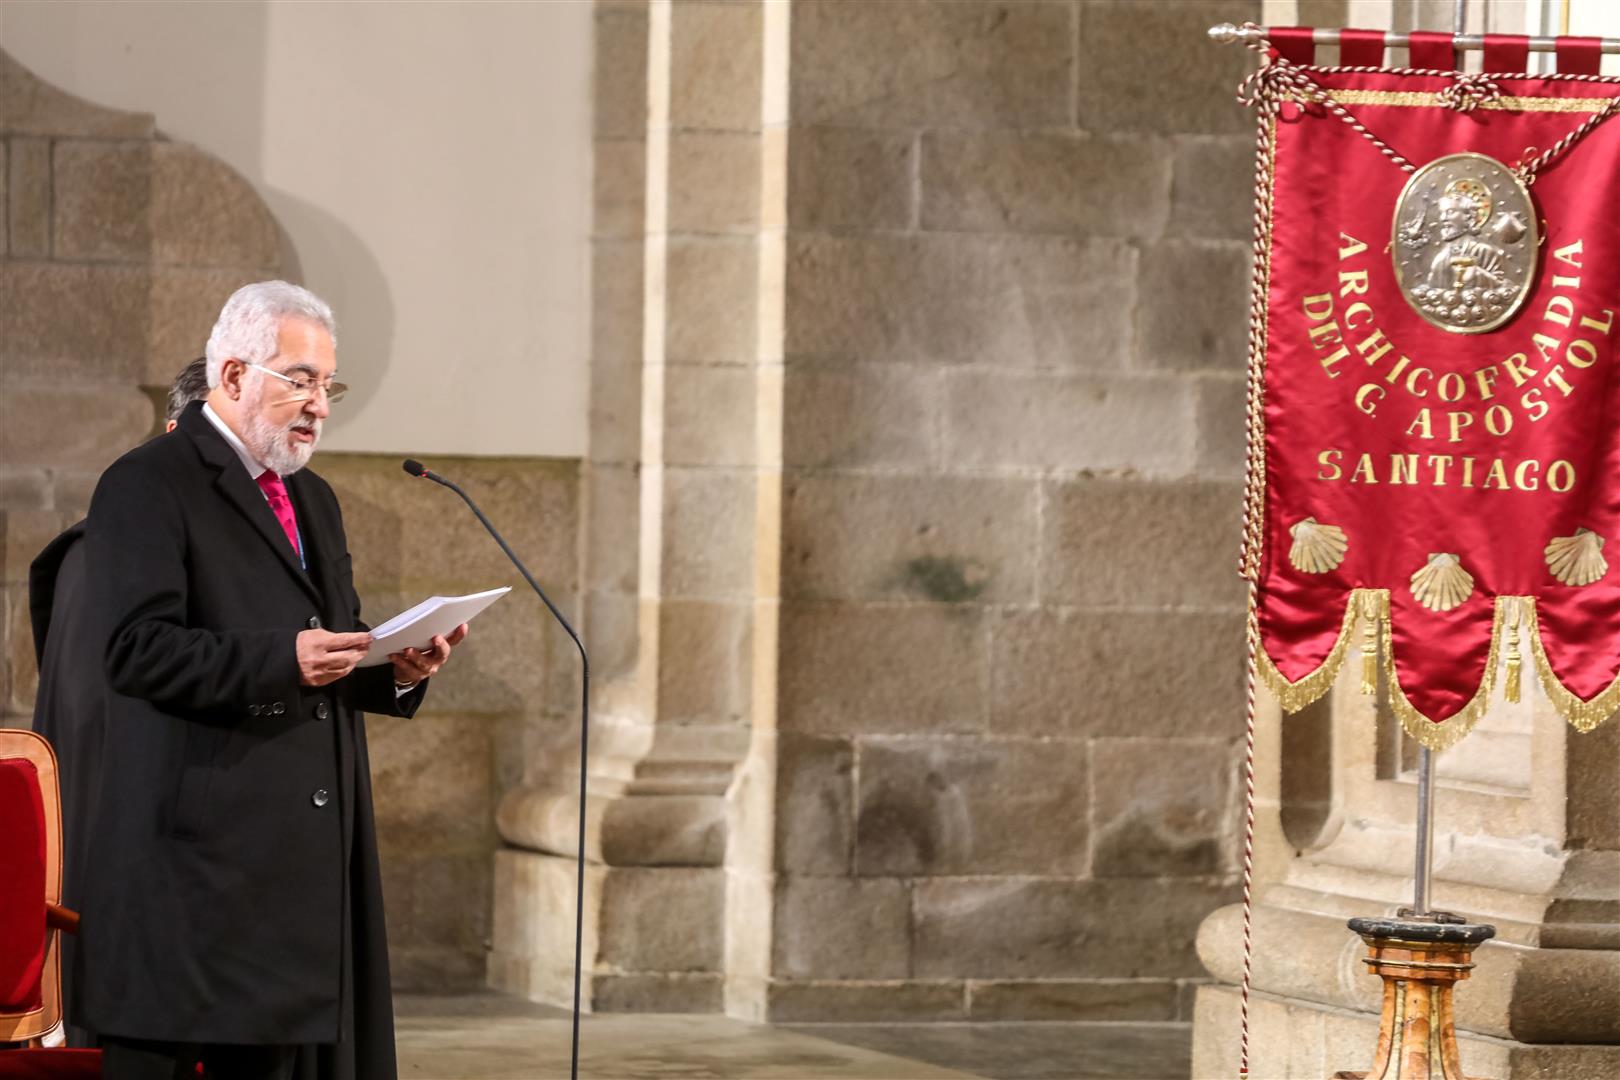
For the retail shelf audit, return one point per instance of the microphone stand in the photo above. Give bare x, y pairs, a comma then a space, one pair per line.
416, 468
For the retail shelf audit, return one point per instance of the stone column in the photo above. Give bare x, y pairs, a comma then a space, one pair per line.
674, 713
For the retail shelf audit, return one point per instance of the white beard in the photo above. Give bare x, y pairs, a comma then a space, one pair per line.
268, 443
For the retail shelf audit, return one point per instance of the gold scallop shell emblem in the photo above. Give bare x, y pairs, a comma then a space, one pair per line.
1317, 548
1442, 584
1577, 560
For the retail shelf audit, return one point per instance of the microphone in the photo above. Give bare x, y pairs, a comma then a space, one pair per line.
416, 468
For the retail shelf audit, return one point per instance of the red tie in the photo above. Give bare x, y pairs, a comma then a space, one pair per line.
275, 492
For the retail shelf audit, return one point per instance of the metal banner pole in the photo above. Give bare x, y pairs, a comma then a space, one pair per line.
1425, 833
1423, 856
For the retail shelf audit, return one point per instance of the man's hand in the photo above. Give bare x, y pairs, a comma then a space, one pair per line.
414, 665
325, 657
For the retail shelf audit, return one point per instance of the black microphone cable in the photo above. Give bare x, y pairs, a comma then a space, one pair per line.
416, 468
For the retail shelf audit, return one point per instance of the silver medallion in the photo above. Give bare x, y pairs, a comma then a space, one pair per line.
1465, 243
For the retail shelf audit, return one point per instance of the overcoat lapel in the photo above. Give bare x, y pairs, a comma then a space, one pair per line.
317, 550
241, 492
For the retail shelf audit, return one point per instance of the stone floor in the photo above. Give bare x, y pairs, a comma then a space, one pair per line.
492, 1037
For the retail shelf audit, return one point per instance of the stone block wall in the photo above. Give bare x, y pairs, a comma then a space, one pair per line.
117, 249
508, 693
1010, 691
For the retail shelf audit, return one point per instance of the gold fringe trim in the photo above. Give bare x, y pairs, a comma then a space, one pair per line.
1506, 103
1296, 695
1511, 615
1450, 731
1515, 659
1254, 493
1582, 715
1371, 626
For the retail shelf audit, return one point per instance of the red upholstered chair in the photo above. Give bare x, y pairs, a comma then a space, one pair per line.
30, 920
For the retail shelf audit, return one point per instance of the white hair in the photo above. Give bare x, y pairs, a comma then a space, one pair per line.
250, 320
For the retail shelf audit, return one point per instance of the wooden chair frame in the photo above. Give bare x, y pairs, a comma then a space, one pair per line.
31, 1025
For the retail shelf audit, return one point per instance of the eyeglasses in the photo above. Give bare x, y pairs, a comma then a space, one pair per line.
303, 389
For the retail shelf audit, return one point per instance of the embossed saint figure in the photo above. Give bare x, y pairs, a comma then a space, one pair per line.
1465, 261
1456, 246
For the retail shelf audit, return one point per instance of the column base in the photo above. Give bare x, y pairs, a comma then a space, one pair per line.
653, 939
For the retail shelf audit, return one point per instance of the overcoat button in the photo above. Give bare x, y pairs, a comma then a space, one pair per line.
277, 709
321, 711
314, 622
253, 710
320, 797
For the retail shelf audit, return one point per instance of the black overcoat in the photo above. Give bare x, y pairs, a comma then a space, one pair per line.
233, 892
68, 710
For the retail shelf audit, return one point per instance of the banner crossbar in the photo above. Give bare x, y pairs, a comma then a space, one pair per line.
1228, 34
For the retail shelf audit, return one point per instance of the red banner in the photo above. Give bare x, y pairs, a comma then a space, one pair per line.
1435, 451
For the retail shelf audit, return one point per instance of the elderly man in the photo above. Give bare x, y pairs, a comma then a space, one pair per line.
233, 912
72, 698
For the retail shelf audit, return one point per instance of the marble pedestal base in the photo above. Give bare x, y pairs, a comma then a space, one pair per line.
1290, 1039
1420, 961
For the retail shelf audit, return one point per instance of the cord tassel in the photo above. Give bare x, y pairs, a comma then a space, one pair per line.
1369, 643
1514, 661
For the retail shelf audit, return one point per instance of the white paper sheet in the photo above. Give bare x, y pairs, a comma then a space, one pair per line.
415, 628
